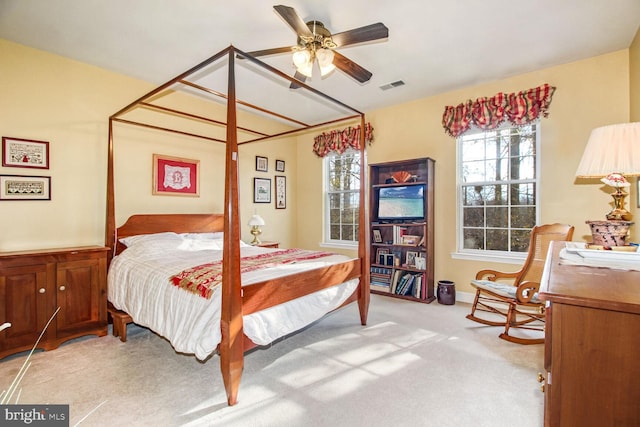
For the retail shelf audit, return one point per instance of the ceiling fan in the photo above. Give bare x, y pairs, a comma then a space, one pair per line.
316, 43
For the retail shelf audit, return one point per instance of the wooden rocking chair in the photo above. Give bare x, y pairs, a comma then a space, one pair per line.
518, 301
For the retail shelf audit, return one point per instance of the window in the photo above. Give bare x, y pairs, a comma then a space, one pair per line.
497, 189
342, 187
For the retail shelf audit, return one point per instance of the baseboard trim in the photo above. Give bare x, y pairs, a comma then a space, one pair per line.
467, 297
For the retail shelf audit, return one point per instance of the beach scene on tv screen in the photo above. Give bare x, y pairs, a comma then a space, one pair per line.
401, 202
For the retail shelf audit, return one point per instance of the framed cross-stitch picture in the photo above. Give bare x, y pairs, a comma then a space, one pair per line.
19, 187
175, 176
262, 164
25, 153
261, 190
281, 192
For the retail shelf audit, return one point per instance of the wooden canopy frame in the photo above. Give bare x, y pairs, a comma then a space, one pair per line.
232, 346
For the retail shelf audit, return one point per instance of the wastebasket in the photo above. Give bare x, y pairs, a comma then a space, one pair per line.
446, 292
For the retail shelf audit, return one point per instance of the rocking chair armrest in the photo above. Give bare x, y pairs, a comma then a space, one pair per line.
493, 275
526, 291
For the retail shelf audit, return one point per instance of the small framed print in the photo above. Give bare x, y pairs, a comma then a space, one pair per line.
175, 176
389, 259
279, 165
18, 187
380, 255
25, 153
262, 164
377, 237
261, 190
411, 258
421, 262
281, 192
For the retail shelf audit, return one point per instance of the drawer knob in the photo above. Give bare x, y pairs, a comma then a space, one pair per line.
62, 288
42, 290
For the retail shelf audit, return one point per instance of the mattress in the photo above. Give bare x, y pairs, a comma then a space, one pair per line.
139, 284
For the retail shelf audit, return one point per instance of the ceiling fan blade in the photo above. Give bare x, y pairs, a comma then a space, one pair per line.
291, 17
300, 77
363, 34
274, 51
351, 68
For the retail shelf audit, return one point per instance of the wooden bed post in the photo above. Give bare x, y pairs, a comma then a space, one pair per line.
110, 228
364, 295
231, 346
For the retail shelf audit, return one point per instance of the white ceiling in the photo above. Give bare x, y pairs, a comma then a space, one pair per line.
433, 47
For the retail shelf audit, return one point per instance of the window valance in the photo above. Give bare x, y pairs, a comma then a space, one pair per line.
340, 140
488, 113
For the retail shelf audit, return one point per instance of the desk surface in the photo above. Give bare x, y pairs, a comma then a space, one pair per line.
595, 287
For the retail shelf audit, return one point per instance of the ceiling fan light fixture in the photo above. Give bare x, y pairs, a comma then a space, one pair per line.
301, 58
306, 69
325, 61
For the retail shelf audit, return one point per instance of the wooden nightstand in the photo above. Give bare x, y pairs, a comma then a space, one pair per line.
269, 244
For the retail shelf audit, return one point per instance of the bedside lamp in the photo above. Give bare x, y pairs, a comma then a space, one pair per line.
613, 153
256, 222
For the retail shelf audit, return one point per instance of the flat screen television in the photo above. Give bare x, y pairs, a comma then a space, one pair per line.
401, 203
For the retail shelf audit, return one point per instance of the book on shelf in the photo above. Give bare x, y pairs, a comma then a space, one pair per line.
398, 234
417, 286
395, 280
405, 283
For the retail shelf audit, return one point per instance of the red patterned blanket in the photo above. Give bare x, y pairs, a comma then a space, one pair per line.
204, 279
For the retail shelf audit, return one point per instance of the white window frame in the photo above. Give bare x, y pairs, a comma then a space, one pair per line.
327, 241
482, 254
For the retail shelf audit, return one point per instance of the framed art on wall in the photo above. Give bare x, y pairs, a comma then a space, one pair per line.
261, 190
281, 192
25, 153
19, 187
262, 164
279, 165
175, 176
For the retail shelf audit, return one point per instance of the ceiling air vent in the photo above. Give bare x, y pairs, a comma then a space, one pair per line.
391, 85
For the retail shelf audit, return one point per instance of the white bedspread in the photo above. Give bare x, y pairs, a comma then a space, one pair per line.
138, 283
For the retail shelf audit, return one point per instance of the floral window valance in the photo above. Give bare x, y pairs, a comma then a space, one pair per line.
340, 140
488, 113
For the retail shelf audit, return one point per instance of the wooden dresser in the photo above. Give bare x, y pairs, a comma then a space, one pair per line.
33, 284
592, 345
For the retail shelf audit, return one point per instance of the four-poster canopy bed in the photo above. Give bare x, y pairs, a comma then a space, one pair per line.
348, 279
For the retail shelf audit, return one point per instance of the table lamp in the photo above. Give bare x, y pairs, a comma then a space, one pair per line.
612, 154
256, 222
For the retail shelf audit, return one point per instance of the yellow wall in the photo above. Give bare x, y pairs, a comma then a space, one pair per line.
50, 98
634, 80
47, 97
590, 93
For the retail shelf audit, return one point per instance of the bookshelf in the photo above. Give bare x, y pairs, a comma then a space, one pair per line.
402, 229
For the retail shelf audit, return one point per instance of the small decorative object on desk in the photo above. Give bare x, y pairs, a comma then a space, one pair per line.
609, 233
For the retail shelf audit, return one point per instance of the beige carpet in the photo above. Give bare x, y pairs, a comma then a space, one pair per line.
412, 365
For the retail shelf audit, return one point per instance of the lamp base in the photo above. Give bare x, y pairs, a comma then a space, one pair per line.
255, 232
619, 213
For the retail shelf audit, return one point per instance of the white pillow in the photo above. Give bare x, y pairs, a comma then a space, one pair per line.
165, 237
201, 245
205, 244
203, 236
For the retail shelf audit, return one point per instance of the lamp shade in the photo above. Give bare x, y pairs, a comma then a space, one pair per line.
611, 149
256, 220
325, 61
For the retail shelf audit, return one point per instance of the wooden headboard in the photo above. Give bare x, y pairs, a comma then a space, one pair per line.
159, 223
